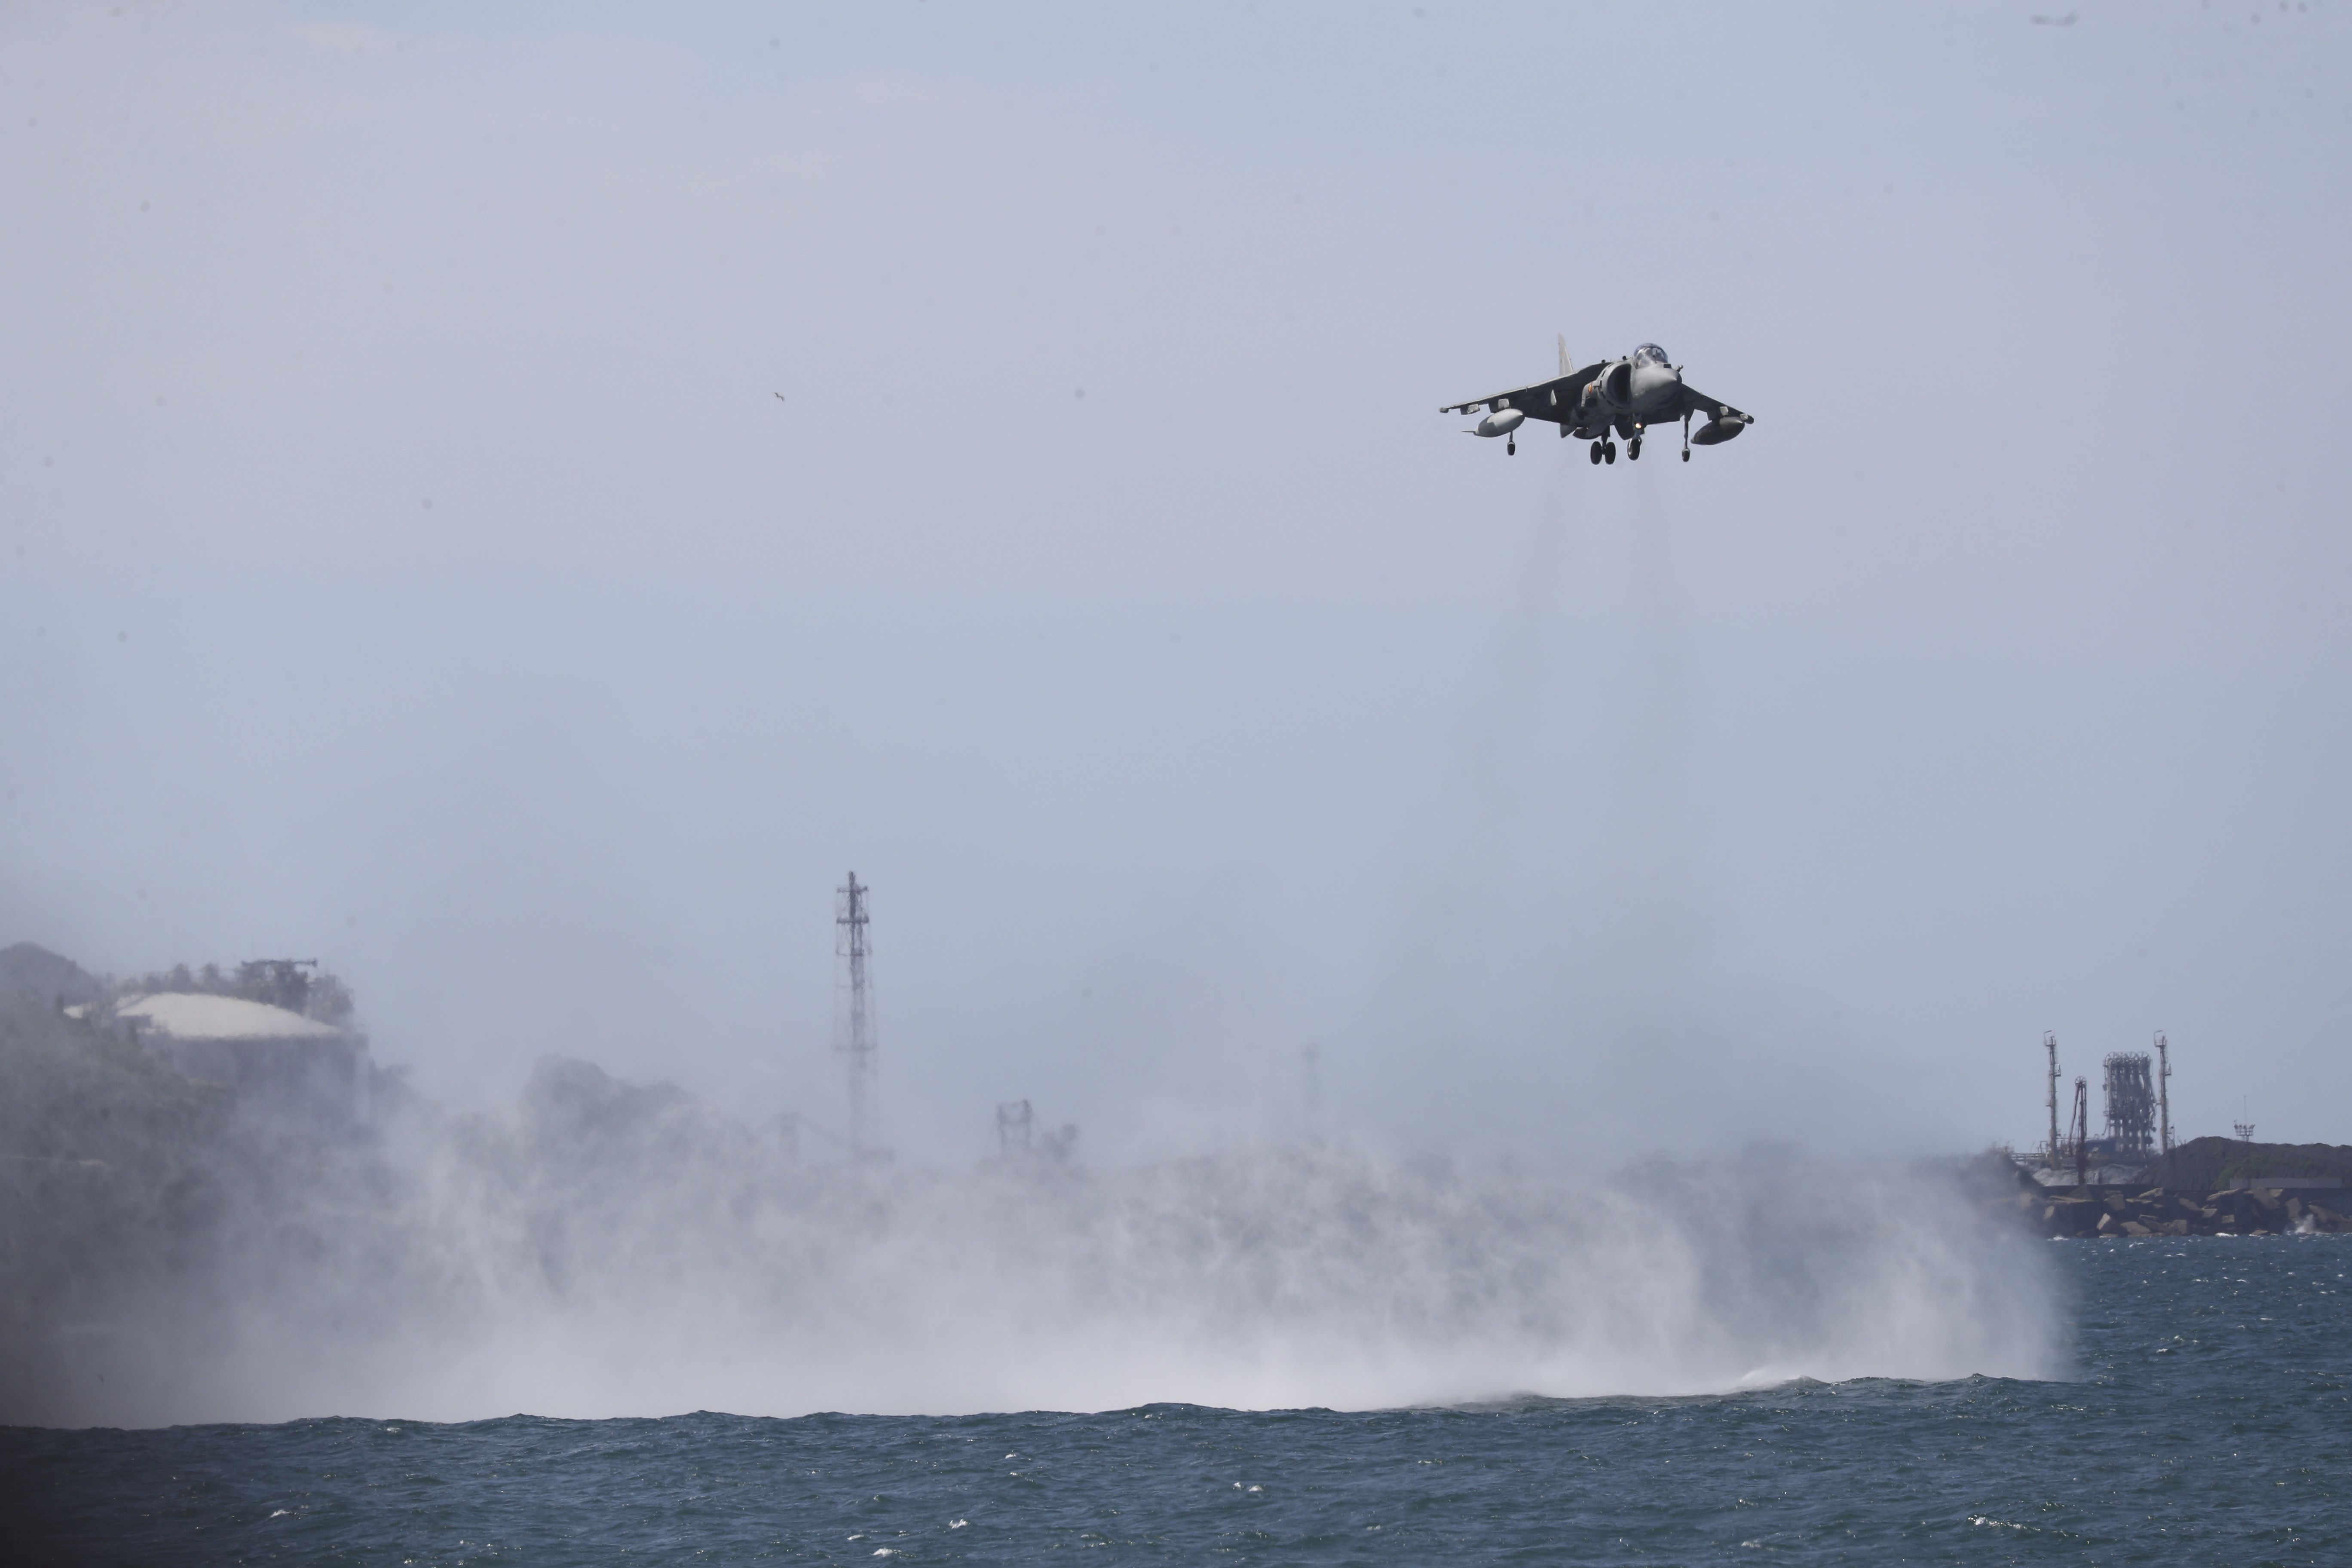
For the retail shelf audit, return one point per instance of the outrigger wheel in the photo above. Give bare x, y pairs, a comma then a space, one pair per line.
1510, 446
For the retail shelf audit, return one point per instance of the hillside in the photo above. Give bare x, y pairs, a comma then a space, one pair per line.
2206, 1164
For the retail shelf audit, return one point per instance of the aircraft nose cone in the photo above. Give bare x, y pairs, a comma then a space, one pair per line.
1649, 380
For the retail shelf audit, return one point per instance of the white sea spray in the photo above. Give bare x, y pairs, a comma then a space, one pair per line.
608, 1250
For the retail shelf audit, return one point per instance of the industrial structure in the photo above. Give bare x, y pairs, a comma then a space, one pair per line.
2131, 1105
2138, 1120
1017, 1128
2164, 1091
2051, 1152
274, 1033
853, 1021
2081, 1126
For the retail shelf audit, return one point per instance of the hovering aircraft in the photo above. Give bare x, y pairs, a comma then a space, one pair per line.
1617, 397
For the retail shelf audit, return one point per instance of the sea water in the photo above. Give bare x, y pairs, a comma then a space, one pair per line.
2205, 1418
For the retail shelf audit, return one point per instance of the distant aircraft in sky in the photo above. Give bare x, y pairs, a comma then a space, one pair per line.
1619, 397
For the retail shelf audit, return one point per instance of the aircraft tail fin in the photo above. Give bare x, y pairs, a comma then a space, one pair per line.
1567, 365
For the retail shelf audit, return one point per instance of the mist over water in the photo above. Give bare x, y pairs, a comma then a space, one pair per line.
611, 1249
604, 1248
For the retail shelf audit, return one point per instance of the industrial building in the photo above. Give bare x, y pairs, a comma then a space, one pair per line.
278, 1038
2139, 1121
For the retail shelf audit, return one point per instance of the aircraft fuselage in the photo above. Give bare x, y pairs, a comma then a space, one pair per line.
1625, 396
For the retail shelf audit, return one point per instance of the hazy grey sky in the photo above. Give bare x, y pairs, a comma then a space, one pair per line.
408, 560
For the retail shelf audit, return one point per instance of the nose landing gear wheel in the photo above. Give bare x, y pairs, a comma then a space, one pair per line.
1608, 451
1596, 453
1633, 450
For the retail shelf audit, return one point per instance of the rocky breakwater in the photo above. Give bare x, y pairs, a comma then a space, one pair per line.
2167, 1211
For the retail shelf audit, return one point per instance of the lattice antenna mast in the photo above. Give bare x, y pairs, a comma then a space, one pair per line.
854, 1032
2164, 1091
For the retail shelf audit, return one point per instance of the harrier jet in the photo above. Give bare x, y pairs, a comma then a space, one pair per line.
1625, 396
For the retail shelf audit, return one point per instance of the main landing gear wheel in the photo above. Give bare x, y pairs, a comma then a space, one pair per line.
1596, 453
1633, 450
1608, 451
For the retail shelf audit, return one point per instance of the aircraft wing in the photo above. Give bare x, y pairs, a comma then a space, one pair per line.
1697, 402
1554, 400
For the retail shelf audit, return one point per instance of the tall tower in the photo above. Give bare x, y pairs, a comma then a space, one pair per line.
854, 1025
2131, 1103
2081, 1125
2164, 1091
1016, 1127
2049, 1150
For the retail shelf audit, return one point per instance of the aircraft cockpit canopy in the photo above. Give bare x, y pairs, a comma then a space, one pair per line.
1650, 353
